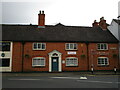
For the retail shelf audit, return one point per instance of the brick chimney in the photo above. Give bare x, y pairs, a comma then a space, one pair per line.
41, 20
103, 23
95, 24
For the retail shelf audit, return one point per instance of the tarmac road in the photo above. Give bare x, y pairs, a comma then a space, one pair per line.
60, 81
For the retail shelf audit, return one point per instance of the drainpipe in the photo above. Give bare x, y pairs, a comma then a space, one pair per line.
23, 43
87, 44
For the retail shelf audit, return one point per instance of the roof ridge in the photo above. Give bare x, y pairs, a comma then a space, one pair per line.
20, 24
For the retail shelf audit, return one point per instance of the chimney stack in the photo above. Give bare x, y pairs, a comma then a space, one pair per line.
95, 24
41, 20
101, 24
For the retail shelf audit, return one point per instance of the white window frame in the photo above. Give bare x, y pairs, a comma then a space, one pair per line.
69, 46
38, 58
40, 45
104, 61
103, 46
72, 58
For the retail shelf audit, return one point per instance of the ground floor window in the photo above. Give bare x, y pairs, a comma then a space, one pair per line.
4, 62
38, 61
71, 61
103, 61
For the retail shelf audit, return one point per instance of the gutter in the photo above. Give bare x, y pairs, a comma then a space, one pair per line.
22, 68
87, 44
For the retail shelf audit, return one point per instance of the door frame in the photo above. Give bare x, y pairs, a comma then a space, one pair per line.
58, 54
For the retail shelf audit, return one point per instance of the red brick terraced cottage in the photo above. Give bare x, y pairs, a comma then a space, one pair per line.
57, 48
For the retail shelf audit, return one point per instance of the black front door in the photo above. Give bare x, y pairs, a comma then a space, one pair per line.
54, 64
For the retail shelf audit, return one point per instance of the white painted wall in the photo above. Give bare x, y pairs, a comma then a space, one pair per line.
119, 32
8, 54
114, 29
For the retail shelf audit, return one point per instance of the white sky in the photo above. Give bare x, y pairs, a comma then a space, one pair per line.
67, 12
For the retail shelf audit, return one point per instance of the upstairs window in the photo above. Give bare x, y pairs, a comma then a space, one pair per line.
39, 46
71, 61
102, 46
103, 61
38, 61
71, 46
4, 46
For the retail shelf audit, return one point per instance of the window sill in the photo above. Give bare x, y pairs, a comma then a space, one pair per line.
71, 66
38, 66
102, 50
71, 49
4, 66
5, 51
103, 65
39, 49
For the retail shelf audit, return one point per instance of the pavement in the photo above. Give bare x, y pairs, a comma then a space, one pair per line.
61, 74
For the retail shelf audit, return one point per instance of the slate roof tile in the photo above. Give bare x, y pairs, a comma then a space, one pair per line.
57, 33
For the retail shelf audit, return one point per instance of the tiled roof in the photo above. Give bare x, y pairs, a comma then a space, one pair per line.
56, 33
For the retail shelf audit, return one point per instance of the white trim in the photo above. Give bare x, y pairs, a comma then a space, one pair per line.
50, 63
11, 55
59, 60
41, 26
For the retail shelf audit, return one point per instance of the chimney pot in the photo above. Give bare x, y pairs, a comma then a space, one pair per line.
42, 12
94, 20
102, 18
95, 24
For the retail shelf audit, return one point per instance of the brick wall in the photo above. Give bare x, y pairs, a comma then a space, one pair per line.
83, 62
49, 48
17, 57
93, 55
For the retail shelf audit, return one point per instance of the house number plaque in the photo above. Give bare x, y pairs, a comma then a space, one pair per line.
71, 52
